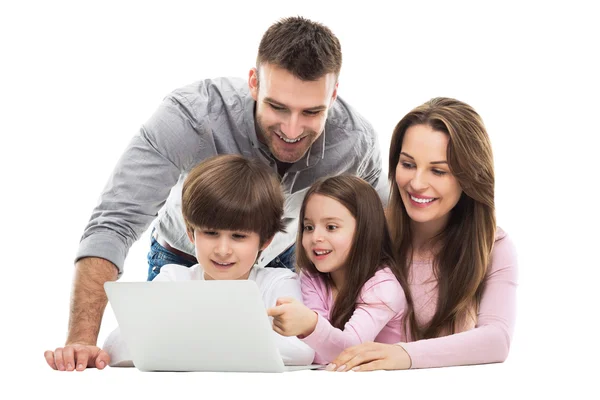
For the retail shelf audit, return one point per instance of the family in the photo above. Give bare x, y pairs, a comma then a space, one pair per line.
278, 180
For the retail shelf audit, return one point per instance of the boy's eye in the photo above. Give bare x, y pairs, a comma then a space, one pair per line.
239, 236
210, 233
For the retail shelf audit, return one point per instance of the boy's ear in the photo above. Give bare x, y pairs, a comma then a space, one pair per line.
266, 244
190, 235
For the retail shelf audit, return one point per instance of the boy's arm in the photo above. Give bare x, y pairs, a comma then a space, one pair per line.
292, 350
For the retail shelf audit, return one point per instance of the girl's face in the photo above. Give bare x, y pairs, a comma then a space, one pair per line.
328, 233
428, 189
226, 255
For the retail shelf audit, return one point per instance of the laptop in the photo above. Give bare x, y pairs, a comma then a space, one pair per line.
218, 326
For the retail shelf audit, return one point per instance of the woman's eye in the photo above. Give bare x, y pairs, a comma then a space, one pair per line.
439, 172
407, 165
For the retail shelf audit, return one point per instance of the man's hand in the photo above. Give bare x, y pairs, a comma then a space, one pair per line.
370, 357
77, 357
88, 301
292, 318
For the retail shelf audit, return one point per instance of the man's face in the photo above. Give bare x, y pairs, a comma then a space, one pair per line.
290, 112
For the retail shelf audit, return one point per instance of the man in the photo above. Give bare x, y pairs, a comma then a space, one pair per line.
286, 114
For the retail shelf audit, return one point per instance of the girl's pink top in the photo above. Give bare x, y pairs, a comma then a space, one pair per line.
378, 316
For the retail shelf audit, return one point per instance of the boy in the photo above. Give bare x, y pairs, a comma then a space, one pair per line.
232, 207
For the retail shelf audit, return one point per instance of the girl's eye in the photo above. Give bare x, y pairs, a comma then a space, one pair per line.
439, 172
308, 228
331, 227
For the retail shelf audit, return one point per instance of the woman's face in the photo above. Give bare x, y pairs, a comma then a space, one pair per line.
428, 189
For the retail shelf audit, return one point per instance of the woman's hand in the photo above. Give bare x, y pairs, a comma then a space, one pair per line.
370, 357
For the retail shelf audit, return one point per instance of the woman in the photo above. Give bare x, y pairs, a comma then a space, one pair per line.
461, 268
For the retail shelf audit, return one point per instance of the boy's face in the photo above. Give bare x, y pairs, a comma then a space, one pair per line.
226, 255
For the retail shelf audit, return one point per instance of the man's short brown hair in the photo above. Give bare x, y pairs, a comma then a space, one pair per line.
234, 193
307, 49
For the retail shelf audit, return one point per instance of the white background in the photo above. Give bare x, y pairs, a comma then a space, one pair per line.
78, 79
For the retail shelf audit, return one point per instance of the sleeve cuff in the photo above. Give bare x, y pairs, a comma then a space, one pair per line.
105, 246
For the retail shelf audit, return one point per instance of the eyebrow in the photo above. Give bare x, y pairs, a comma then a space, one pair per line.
326, 219
433, 162
275, 102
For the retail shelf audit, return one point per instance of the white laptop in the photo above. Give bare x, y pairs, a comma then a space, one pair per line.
196, 326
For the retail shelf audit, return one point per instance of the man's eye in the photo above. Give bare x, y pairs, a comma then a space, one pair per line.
276, 108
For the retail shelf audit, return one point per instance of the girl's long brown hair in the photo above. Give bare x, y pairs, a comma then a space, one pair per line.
371, 247
466, 242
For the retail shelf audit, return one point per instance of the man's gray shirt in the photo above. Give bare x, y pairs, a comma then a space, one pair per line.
201, 120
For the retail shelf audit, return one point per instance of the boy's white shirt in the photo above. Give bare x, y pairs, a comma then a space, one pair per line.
272, 283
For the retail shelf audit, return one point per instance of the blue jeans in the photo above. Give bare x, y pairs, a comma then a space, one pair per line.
159, 256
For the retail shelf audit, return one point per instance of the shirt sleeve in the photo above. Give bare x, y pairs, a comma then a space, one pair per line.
292, 350
489, 341
379, 303
142, 180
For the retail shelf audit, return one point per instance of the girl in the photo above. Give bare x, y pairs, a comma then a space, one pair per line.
351, 285
461, 268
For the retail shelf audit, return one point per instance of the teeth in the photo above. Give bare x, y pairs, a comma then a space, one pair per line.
290, 140
422, 201
320, 253
223, 264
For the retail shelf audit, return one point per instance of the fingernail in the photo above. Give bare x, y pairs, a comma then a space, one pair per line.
340, 369
330, 367
102, 364
69, 366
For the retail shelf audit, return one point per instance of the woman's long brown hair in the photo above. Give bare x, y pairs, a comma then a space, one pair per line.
465, 244
371, 245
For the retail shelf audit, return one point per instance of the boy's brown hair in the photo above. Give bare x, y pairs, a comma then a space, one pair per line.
234, 193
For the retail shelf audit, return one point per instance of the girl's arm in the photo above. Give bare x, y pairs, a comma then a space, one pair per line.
489, 341
382, 298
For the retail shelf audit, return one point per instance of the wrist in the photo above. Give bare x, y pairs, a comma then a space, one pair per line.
310, 326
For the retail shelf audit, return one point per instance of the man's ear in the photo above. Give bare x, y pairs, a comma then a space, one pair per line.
334, 95
266, 244
253, 83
